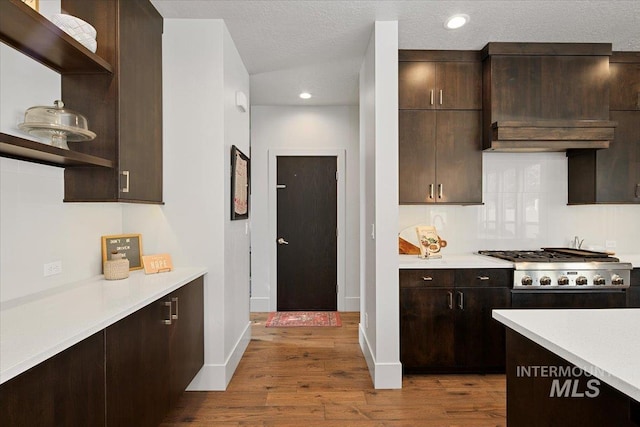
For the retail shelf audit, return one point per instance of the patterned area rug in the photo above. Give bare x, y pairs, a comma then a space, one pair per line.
290, 319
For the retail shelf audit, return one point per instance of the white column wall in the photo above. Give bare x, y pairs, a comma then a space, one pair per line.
380, 332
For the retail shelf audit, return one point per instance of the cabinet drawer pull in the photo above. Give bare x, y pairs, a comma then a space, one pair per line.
450, 300
483, 277
431, 97
427, 278
125, 189
440, 190
174, 316
440, 96
167, 321
431, 191
460, 300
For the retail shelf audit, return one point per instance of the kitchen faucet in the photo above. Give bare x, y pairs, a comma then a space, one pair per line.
577, 243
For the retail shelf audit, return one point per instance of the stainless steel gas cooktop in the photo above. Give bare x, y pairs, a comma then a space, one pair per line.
565, 269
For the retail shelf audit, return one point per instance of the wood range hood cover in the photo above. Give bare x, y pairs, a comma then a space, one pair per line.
546, 97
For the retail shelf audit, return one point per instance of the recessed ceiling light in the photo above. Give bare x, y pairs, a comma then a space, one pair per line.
305, 95
456, 21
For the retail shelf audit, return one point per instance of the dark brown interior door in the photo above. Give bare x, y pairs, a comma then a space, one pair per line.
306, 235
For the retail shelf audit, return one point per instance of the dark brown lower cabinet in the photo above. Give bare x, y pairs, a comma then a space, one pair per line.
152, 355
446, 323
65, 390
138, 367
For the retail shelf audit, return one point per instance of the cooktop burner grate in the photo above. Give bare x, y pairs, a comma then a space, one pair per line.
551, 255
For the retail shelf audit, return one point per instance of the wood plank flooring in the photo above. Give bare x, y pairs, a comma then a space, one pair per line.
306, 377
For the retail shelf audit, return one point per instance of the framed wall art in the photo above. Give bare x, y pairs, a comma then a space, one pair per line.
240, 168
128, 244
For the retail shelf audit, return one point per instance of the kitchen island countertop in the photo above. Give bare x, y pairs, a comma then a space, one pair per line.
452, 261
603, 341
36, 328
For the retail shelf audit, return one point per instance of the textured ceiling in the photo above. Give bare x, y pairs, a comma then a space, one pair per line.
318, 46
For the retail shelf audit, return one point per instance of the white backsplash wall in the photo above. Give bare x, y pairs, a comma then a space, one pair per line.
525, 207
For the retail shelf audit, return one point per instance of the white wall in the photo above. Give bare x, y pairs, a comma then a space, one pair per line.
300, 128
379, 333
201, 123
525, 207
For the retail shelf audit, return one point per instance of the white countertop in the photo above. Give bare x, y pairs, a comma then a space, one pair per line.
38, 328
453, 261
605, 342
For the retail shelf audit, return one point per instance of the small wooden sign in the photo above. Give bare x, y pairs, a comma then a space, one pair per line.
157, 263
128, 244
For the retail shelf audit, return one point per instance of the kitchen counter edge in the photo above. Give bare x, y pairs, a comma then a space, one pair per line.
452, 261
40, 328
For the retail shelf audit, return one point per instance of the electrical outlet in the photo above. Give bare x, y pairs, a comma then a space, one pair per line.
610, 244
51, 268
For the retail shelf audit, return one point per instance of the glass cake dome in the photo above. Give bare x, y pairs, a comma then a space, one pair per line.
57, 123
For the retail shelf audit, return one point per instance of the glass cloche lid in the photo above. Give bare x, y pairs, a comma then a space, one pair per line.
59, 123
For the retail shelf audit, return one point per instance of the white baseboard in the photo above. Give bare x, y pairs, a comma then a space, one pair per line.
260, 305
216, 377
383, 375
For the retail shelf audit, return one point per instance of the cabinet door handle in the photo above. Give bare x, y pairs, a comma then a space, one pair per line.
450, 299
460, 300
431, 97
440, 96
483, 277
440, 190
427, 278
174, 316
125, 189
431, 191
638, 190
167, 321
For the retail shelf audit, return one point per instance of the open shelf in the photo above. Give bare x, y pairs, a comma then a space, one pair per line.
24, 149
34, 35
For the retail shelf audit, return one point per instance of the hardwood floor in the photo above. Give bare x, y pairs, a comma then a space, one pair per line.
306, 377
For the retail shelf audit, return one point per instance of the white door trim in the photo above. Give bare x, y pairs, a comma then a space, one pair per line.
340, 154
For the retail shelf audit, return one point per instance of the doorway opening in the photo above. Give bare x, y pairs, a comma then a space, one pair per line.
307, 223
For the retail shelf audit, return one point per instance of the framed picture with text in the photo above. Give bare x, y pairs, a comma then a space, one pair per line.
240, 167
128, 244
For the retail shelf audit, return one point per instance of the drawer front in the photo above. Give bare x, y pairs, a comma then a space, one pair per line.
486, 277
426, 278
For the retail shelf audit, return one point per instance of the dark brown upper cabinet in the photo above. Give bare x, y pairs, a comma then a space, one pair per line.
434, 80
440, 156
125, 110
613, 175
546, 96
625, 81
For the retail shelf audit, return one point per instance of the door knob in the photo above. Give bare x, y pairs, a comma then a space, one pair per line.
281, 241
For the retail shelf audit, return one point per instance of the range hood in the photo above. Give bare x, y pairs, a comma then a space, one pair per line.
546, 97
550, 135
